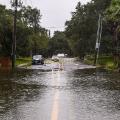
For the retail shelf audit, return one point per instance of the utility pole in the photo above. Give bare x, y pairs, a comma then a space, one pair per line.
98, 40
15, 4
49, 34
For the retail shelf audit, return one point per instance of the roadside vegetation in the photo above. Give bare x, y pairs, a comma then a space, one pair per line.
82, 28
103, 61
27, 60
31, 37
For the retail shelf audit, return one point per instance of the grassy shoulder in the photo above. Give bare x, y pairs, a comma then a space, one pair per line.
27, 61
23, 61
103, 61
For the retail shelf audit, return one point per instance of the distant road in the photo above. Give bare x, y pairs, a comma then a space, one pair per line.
63, 64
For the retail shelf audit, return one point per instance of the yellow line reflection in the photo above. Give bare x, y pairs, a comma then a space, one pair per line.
55, 108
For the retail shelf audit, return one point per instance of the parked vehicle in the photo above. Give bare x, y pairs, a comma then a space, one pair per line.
61, 55
37, 60
55, 58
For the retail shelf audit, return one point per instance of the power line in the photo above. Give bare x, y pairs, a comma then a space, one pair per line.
49, 27
56, 27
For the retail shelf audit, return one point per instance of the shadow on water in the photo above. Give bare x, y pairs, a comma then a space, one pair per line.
17, 88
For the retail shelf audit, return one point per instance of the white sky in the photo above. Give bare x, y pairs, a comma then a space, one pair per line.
54, 12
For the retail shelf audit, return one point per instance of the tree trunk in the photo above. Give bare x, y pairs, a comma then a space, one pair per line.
116, 53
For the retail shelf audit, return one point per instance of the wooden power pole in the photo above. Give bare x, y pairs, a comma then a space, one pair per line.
14, 4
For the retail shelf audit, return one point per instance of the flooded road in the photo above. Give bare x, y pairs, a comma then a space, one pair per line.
70, 93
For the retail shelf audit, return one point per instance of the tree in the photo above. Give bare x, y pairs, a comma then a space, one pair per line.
29, 31
38, 43
113, 18
31, 16
37, 38
5, 31
59, 44
82, 28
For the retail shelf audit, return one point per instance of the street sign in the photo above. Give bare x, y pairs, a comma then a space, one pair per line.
97, 45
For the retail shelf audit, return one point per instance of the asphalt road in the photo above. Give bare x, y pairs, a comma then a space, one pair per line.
65, 64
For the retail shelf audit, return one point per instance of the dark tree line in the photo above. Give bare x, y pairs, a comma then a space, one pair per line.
78, 39
82, 28
59, 44
31, 37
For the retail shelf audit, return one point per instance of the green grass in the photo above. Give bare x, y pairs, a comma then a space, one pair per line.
89, 59
23, 60
103, 61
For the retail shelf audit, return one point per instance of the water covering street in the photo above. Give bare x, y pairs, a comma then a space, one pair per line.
63, 91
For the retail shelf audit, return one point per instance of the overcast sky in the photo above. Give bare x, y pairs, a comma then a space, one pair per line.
54, 12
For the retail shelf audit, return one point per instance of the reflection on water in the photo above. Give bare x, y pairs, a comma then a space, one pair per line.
83, 94
16, 88
97, 94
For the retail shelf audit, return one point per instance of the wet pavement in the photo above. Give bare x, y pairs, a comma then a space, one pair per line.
65, 64
67, 93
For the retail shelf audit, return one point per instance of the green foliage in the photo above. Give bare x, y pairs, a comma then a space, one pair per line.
20, 61
113, 12
30, 34
38, 42
82, 28
103, 61
113, 18
5, 31
30, 16
59, 44
79, 37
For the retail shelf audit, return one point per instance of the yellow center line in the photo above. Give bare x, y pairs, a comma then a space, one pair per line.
55, 109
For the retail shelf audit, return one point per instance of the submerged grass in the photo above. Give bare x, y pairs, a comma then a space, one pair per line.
103, 61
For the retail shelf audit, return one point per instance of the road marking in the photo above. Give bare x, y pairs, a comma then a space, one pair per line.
55, 108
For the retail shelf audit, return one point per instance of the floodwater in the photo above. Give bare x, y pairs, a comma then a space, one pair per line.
70, 93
